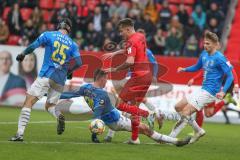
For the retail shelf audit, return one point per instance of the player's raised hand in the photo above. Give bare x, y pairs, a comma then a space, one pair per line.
220, 95
20, 57
190, 82
180, 69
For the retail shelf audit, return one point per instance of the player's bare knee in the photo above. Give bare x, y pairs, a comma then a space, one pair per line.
48, 105
30, 101
144, 129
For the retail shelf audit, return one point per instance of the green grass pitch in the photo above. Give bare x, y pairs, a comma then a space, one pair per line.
41, 142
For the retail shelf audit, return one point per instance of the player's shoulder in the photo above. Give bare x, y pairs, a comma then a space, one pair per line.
219, 56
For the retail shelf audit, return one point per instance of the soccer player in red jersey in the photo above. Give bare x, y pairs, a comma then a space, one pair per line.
136, 87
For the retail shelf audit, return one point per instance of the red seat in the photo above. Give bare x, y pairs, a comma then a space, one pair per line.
58, 2
191, 2
92, 4
173, 8
189, 9
13, 39
47, 15
5, 12
26, 13
175, 1
159, 7
46, 4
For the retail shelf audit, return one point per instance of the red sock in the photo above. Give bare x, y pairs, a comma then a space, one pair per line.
134, 110
218, 106
210, 105
135, 121
199, 118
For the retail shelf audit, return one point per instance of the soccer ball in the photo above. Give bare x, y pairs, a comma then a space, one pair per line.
97, 126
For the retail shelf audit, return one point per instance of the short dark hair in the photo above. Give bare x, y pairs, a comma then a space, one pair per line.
99, 73
127, 22
211, 36
66, 24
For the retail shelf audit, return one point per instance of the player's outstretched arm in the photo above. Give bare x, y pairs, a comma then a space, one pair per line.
112, 54
68, 95
41, 40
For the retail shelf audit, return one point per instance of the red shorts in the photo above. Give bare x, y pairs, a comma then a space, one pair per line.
136, 88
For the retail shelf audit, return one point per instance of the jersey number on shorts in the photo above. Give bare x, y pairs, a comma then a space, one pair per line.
60, 50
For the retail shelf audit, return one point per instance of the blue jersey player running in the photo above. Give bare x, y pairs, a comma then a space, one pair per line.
60, 50
215, 66
99, 101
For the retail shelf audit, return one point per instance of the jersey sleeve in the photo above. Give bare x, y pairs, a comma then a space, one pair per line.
41, 40
195, 67
68, 95
226, 67
75, 50
153, 61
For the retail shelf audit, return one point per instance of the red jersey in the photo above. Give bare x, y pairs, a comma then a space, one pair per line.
136, 47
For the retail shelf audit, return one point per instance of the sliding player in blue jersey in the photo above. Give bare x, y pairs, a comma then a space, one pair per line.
60, 52
215, 66
99, 101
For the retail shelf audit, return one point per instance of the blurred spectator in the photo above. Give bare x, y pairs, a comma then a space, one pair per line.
28, 3
191, 47
104, 8
93, 38
3, 4
199, 17
72, 10
151, 9
37, 17
23, 41
182, 14
115, 18
13, 87
83, 16
97, 19
28, 69
80, 40
61, 13
15, 20
134, 10
191, 29
42, 28
165, 15
158, 42
109, 32
176, 24
214, 12
148, 26
4, 32
214, 26
117, 8
29, 30
173, 43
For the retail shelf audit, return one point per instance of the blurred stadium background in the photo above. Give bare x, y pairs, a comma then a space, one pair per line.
174, 30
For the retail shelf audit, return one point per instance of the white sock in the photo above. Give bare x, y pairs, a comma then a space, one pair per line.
53, 111
194, 124
163, 138
178, 127
23, 120
149, 106
110, 133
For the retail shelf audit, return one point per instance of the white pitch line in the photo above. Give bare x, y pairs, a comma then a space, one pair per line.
75, 143
39, 122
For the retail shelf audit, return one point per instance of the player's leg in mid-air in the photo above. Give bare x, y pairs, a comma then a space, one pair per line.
38, 89
124, 124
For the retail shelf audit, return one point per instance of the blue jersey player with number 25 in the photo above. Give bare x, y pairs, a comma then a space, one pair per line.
60, 50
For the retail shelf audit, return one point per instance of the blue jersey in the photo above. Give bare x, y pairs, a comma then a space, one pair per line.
98, 100
152, 60
215, 67
59, 50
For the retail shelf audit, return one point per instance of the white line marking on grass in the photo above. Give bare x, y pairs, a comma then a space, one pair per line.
39, 122
75, 143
